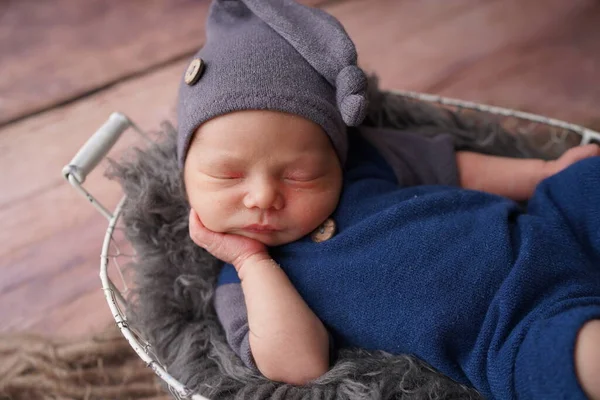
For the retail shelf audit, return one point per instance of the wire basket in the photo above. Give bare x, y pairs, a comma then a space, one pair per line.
116, 251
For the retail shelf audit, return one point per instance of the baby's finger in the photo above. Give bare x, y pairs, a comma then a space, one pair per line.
591, 149
581, 152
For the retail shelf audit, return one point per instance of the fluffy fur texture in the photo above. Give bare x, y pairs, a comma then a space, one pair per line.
174, 279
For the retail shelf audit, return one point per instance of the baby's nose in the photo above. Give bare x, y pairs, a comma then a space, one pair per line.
264, 195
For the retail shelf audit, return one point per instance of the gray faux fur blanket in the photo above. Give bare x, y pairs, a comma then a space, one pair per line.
174, 279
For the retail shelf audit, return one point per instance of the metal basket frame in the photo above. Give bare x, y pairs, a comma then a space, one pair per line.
101, 142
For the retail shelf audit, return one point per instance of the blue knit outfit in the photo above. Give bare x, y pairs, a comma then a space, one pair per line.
486, 292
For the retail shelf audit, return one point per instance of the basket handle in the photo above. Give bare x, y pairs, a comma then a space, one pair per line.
96, 148
92, 152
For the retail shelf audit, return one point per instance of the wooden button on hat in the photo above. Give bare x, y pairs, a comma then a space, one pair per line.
324, 232
194, 71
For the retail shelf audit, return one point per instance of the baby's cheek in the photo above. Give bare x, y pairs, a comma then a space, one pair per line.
213, 211
310, 210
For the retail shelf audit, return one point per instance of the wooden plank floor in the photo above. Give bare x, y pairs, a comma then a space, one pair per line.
64, 72
55, 52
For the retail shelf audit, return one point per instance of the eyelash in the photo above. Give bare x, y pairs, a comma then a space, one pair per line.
227, 177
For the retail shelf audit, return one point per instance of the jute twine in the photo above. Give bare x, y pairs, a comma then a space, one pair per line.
93, 368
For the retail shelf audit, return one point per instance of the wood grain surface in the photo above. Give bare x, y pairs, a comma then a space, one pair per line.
54, 52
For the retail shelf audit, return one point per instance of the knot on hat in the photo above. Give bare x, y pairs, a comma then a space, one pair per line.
351, 87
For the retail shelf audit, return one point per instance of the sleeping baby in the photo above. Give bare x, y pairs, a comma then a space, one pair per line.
339, 235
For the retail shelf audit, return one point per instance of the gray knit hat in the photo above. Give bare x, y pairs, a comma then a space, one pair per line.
273, 55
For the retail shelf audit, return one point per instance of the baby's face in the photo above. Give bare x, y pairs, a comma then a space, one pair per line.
266, 175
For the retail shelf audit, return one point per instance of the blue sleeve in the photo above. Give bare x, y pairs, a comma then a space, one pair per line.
227, 275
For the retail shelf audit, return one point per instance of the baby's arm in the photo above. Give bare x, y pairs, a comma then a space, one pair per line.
511, 177
287, 340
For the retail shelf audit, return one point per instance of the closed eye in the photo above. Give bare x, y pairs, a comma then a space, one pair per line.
298, 179
225, 176
301, 177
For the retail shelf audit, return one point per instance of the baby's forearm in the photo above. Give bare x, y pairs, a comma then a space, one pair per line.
288, 342
509, 177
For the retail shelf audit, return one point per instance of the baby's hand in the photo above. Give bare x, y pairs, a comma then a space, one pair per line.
230, 248
573, 155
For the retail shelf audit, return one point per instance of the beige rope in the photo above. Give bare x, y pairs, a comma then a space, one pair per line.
93, 368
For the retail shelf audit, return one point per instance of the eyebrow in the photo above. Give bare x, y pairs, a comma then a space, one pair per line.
225, 155
222, 157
